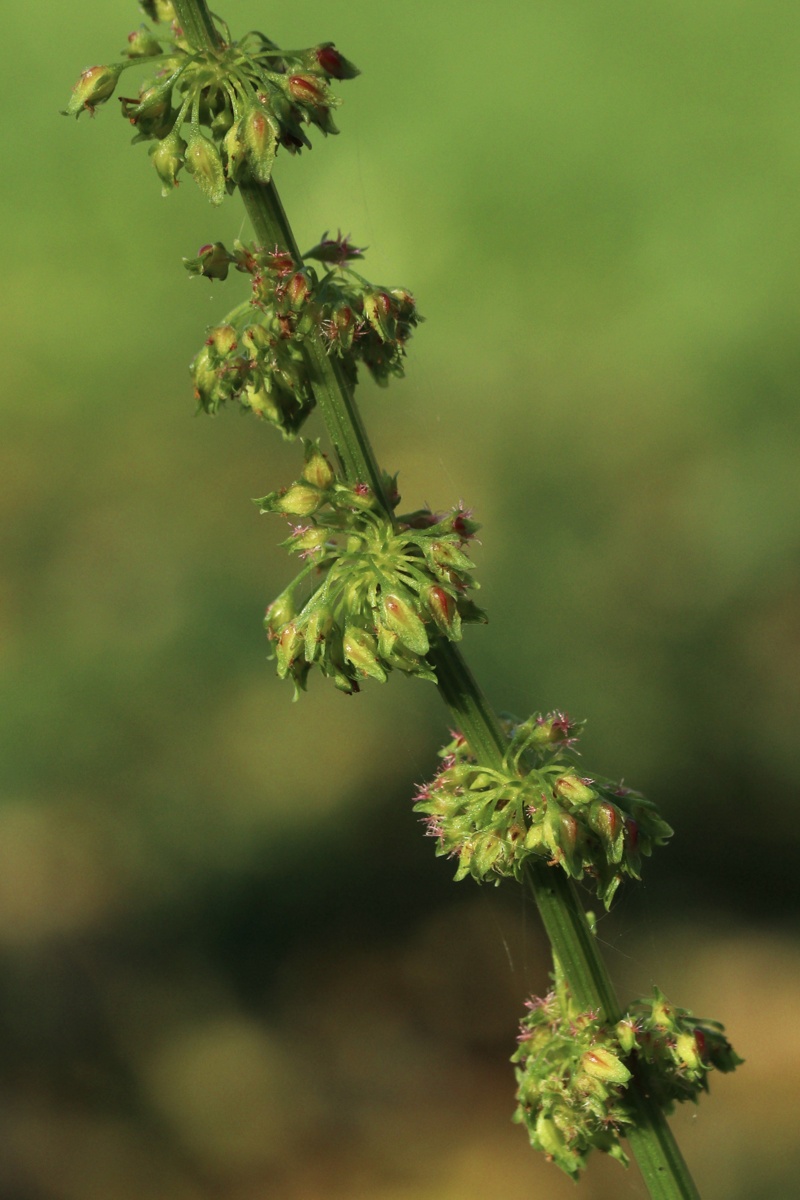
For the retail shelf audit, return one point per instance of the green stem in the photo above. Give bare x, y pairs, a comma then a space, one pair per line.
197, 24
663, 1169
331, 389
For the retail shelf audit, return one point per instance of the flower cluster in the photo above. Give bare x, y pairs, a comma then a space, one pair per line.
572, 1070
570, 1083
380, 588
256, 355
540, 804
240, 102
677, 1049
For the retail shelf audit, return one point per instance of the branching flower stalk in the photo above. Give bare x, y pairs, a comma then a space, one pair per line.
380, 590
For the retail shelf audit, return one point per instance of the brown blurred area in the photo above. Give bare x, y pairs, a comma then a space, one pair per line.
230, 966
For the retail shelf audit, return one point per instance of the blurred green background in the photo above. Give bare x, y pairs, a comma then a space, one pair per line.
230, 965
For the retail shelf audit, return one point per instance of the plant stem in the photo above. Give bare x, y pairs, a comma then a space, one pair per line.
331, 389
197, 24
663, 1169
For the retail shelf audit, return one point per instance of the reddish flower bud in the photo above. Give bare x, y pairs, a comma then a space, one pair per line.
260, 135
423, 518
401, 618
444, 610
280, 263
336, 250
379, 312
306, 89
602, 1064
298, 290
359, 648
213, 261
567, 833
334, 64
632, 834
344, 318
574, 789
362, 497
95, 85
608, 821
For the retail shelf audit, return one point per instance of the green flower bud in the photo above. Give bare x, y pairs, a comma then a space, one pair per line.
686, 1051
289, 643
235, 151
149, 107
445, 555
601, 1064
307, 540
626, 1034
401, 618
203, 162
94, 86
260, 135
379, 311
344, 324
205, 379
160, 11
168, 158
299, 500
142, 44
309, 90
607, 822
359, 649
535, 838
223, 339
359, 496
279, 613
318, 470
222, 122
574, 789
444, 610
298, 290
554, 728
549, 1138
262, 404
319, 627
661, 1012
256, 338
213, 260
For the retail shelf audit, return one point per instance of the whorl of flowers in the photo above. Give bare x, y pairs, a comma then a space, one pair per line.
541, 803
572, 1069
380, 589
256, 355
237, 104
